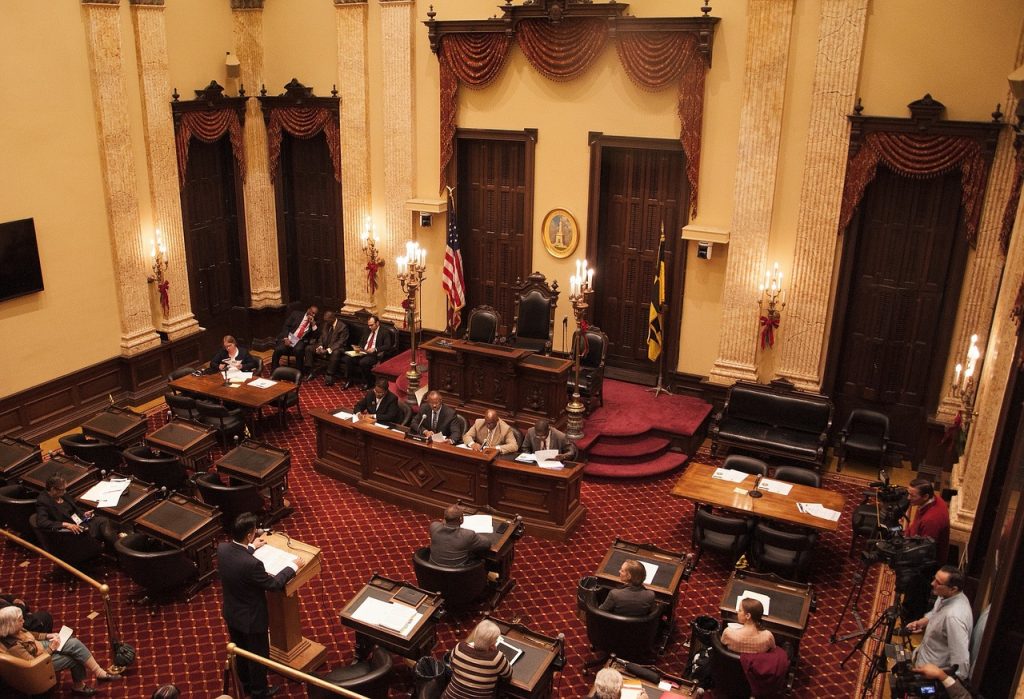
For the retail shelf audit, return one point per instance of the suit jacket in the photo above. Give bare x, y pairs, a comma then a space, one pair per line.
502, 438
634, 600
248, 361
446, 422
556, 440
452, 546
388, 414
292, 323
245, 582
333, 337
382, 344
50, 514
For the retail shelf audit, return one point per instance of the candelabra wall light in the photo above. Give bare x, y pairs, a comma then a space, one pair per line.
965, 387
581, 288
373, 259
771, 300
158, 254
411, 267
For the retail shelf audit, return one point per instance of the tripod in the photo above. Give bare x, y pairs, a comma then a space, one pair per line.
852, 599
885, 624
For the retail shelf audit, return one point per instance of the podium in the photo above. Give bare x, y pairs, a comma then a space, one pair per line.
287, 644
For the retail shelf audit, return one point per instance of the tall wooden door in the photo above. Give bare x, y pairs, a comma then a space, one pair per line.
494, 213
904, 282
310, 228
640, 189
214, 248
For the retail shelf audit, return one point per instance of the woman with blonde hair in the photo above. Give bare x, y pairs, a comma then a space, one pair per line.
752, 637
74, 656
477, 665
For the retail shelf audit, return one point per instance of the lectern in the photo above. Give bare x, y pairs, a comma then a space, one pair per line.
287, 644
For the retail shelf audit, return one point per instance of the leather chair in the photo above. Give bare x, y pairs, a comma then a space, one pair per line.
258, 371
747, 464
633, 638
161, 470
460, 420
787, 553
102, 455
74, 549
17, 505
180, 372
406, 410
483, 324
233, 500
797, 474
865, 434
729, 535
367, 677
29, 677
462, 587
520, 437
730, 681
591, 367
533, 323
160, 570
227, 421
290, 399
182, 406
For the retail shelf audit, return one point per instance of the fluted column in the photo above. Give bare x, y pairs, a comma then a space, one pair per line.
110, 96
260, 206
836, 68
351, 16
769, 25
158, 127
399, 154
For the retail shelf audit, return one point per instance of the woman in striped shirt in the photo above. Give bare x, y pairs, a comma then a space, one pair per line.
477, 665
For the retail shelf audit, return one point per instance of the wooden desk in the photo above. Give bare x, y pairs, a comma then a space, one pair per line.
16, 455
189, 441
697, 484
414, 644
118, 426
790, 602
287, 644
684, 687
532, 673
476, 376
500, 556
186, 524
264, 466
430, 476
136, 498
667, 578
78, 475
244, 395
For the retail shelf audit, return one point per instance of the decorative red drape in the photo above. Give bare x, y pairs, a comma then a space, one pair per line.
917, 156
304, 122
562, 51
1010, 213
208, 126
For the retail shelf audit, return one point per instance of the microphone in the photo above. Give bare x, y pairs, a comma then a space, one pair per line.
559, 662
754, 492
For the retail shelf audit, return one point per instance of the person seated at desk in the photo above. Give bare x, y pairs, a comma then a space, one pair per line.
330, 346
55, 512
231, 356
17, 641
634, 599
542, 436
40, 622
437, 418
451, 544
299, 328
380, 404
477, 665
491, 432
752, 637
377, 344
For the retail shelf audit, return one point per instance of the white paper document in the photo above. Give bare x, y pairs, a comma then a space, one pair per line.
462, 446
106, 493
481, 524
422, 391
551, 465
728, 474
274, 559
397, 617
773, 486
545, 454
438, 437
651, 569
262, 383
63, 635
765, 600
343, 415
631, 689
239, 376
527, 458
816, 509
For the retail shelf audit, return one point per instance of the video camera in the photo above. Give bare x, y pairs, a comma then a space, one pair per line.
893, 503
904, 682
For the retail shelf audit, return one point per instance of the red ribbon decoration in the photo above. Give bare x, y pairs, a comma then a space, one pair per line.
954, 436
408, 313
768, 325
371, 275
165, 299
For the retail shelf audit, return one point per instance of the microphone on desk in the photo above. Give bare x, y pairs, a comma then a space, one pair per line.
754, 492
559, 661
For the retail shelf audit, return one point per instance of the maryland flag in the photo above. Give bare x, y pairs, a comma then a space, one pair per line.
654, 336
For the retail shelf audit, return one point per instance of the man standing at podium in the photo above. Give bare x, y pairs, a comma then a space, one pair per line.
245, 583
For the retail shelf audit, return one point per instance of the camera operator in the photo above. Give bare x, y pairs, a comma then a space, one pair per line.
931, 519
954, 689
947, 627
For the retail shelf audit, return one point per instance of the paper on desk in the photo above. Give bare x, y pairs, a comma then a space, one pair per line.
397, 617
274, 559
816, 509
546, 454
238, 375
438, 437
106, 493
481, 524
381, 425
462, 446
728, 474
631, 689
527, 458
765, 600
343, 415
773, 486
651, 570
262, 383
551, 465
63, 635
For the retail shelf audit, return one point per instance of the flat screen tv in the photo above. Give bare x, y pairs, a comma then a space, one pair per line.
20, 273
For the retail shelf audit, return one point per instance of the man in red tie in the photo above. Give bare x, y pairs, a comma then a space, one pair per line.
375, 346
298, 329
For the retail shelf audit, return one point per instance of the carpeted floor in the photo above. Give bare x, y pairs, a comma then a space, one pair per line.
184, 643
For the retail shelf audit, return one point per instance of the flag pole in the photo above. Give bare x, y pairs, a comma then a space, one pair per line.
660, 388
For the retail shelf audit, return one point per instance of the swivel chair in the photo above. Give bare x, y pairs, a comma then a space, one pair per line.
787, 553
160, 570
747, 464
232, 500
730, 681
290, 399
462, 587
796, 474
632, 638
406, 413
76, 550
17, 505
367, 677
162, 470
228, 422
181, 406
729, 535
102, 455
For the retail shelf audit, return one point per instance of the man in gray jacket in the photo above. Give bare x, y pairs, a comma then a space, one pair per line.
451, 544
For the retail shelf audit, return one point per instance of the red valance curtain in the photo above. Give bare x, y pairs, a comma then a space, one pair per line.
304, 122
1010, 213
917, 156
562, 51
208, 126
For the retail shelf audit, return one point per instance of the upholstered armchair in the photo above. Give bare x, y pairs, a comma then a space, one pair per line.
483, 324
533, 326
591, 367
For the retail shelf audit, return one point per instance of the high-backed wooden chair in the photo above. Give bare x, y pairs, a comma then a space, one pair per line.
591, 367
482, 324
533, 326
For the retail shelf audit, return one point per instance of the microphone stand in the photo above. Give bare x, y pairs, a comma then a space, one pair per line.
754, 492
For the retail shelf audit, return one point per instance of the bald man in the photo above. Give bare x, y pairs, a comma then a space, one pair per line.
491, 432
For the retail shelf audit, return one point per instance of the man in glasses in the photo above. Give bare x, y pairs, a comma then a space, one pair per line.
947, 627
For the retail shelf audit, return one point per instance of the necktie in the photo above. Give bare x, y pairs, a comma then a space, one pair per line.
544, 444
302, 327
370, 340
433, 421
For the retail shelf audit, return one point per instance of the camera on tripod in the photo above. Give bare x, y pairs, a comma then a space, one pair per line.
893, 503
904, 682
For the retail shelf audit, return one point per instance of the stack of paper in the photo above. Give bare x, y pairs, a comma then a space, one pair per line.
481, 524
816, 509
651, 569
107, 493
238, 376
773, 486
765, 600
274, 559
728, 474
343, 415
397, 617
262, 383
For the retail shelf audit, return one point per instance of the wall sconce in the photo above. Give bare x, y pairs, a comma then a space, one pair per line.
232, 66
771, 301
373, 259
158, 253
965, 388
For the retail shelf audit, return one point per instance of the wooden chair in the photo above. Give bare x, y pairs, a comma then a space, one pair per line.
591, 367
533, 325
482, 325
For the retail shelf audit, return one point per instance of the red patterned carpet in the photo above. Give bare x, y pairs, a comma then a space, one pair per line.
184, 643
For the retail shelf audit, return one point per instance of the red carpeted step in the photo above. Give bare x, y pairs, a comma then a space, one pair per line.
662, 464
637, 447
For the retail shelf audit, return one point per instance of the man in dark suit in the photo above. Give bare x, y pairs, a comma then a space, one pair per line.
246, 582
298, 329
231, 356
450, 544
374, 347
542, 436
437, 418
330, 346
380, 404
633, 599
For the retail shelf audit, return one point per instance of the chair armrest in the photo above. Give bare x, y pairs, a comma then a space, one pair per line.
23, 664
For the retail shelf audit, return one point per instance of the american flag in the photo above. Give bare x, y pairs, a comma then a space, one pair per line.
451, 276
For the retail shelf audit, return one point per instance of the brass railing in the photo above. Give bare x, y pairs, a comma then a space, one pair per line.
280, 669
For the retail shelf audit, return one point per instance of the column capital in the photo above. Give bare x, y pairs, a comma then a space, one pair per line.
101, 2
351, 2
151, 3
247, 4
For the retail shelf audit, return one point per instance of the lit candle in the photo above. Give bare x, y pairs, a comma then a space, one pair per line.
590, 278
423, 258
956, 375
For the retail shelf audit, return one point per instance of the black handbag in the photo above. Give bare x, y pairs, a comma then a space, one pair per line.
124, 655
